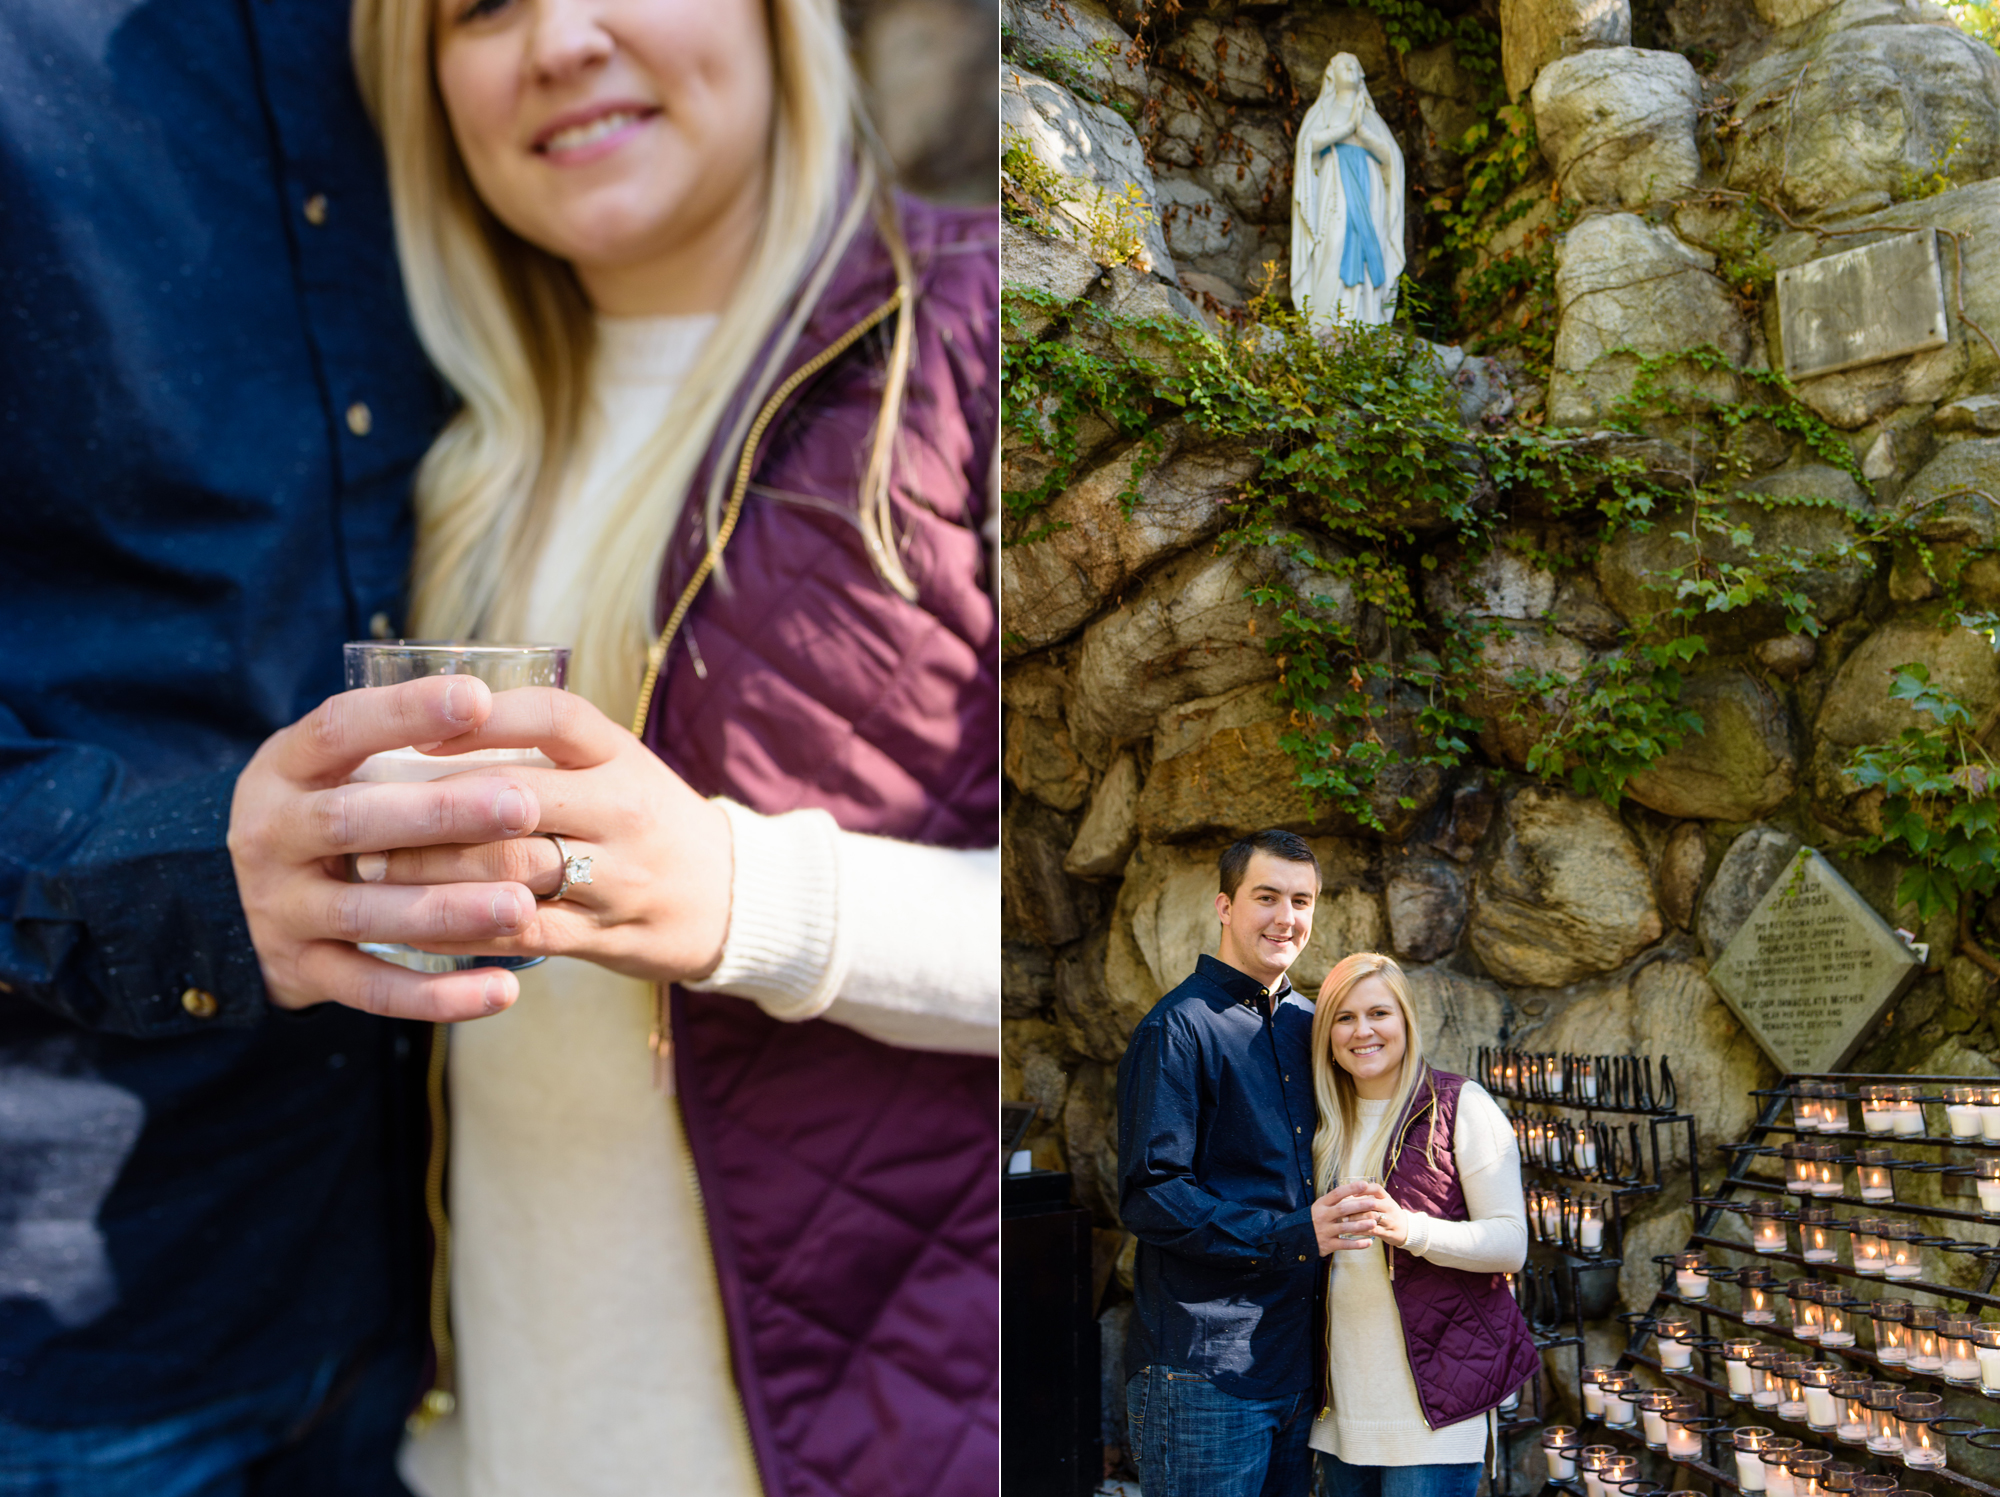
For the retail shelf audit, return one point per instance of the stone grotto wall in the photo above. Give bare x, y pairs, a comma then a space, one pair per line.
1141, 732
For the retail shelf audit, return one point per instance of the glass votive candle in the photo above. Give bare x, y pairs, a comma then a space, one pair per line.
1758, 1303
1791, 1388
1671, 1335
1736, 1355
1822, 1408
1558, 1141
1870, 1485
1683, 1438
1832, 1108
1559, 1449
1851, 1393
1586, 1151
1986, 1347
1586, 1078
1620, 1388
1805, 1106
1899, 1247
1866, 1244
1816, 1234
1885, 1429
1802, 1295
1874, 1171
1836, 1316
1908, 1115
1767, 1228
1839, 1476
1926, 1353
1801, 1167
1620, 1473
1749, 1442
1653, 1404
1766, 1388
1961, 1110
1590, 1226
1808, 1468
1961, 1366
1826, 1170
1777, 1458
1878, 1104
1989, 1114
1590, 1461
1986, 1180
1690, 1276
1923, 1446
1532, 1140
1892, 1331
1593, 1391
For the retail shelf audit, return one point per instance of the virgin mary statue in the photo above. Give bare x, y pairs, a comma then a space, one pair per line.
1347, 204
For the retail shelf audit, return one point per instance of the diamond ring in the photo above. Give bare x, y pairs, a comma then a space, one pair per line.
575, 870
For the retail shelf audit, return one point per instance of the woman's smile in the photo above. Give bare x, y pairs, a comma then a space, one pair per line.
584, 135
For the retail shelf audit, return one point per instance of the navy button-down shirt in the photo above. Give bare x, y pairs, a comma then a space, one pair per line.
193, 1195
1215, 1129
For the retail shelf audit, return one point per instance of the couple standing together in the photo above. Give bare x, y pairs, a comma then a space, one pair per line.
1325, 1222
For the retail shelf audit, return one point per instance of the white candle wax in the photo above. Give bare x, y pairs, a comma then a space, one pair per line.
1690, 1284
1907, 1120
1792, 1408
1675, 1353
1593, 1486
1877, 1193
1826, 1187
1989, 1370
1590, 1087
1683, 1444
1821, 1255
1739, 1378
1836, 1338
1989, 1196
1931, 1363
1765, 1398
1868, 1261
1877, 1119
1593, 1236
1561, 1465
1894, 1355
1749, 1471
1778, 1481
1556, 1149
1989, 1120
1593, 1400
1964, 1120
1853, 1433
1819, 1408
1770, 1238
1806, 1330
1926, 1457
1617, 1409
1961, 1369
1656, 1427
1586, 1154
1903, 1270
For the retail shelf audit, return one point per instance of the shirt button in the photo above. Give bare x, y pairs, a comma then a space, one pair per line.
315, 209
198, 1003
1302, 1257
379, 626
359, 420
1298, 1130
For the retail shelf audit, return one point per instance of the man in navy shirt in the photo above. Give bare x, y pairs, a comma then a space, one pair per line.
1215, 1128
212, 1261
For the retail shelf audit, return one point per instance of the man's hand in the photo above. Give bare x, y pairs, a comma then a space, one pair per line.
1335, 1212
295, 822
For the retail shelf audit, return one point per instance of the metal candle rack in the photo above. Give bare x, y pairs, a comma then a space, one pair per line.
1805, 1205
1601, 1119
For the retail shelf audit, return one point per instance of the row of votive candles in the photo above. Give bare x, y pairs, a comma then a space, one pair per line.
1815, 1169
1765, 1462
1542, 1075
1969, 1111
1877, 1245
1577, 1221
1669, 1421
1556, 1144
1961, 1350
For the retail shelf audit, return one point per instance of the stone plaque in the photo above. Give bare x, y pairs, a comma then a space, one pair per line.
1863, 305
1813, 968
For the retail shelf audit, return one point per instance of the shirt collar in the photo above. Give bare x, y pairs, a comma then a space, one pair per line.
1241, 986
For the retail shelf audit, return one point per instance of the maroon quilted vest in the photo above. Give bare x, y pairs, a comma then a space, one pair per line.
851, 1188
1468, 1344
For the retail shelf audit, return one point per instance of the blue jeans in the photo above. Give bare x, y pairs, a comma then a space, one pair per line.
317, 1433
1189, 1439
1343, 1480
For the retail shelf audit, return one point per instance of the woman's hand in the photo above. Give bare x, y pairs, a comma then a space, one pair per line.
1392, 1222
657, 903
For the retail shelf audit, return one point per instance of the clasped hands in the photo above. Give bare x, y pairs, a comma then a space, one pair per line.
454, 865
1363, 1209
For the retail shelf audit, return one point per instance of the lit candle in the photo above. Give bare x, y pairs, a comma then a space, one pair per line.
1755, 1306
1671, 1334
1986, 1346
1777, 1457
1587, 1069
1801, 1168
1803, 1296
1592, 1459
1620, 1473
1867, 1245
1559, 1447
1885, 1430
1792, 1388
1817, 1379
1836, 1310
1892, 1331
1961, 1110
1554, 1073
1925, 1353
1652, 1406
1690, 1281
1765, 1386
1816, 1234
1555, 1145
1832, 1109
1749, 1440
1906, 1259
1683, 1440
1593, 1391
1989, 1114
1736, 1355
1908, 1116
1590, 1227
1805, 1106
1961, 1366
1826, 1169
1873, 1167
1878, 1104
1807, 1468
1586, 1152
1620, 1388
1767, 1228
1987, 1181
1852, 1393
1923, 1447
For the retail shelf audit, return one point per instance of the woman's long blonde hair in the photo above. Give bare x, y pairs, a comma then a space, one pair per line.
508, 326
1338, 1148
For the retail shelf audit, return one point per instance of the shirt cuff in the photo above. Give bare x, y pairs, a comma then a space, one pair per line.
783, 950
1295, 1239
1419, 1241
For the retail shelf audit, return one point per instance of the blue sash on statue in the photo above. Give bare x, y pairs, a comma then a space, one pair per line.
1361, 248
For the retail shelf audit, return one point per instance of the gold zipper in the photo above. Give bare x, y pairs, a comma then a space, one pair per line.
442, 1397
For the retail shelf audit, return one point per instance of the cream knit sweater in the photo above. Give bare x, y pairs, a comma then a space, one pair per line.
1375, 1418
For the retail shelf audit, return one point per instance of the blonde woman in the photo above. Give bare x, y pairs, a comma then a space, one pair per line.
1423, 1337
722, 1217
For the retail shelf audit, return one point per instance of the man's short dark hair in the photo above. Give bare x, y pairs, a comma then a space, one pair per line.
1287, 845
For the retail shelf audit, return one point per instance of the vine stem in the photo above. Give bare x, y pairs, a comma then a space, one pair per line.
1968, 944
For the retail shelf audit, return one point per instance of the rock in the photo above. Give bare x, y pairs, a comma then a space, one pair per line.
1197, 225
1122, 301
1232, 59
1058, 268
1534, 33
1954, 504
1090, 1139
1858, 709
1743, 762
1617, 125
1039, 688
1974, 413
1088, 548
1639, 571
1308, 40
1426, 904
1472, 808
1039, 760
1089, 144
1344, 921
1566, 896
1682, 863
1455, 1015
1520, 686
1786, 655
1746, 873
1110, 828
1025, 464
1188, 632
1033, 1070
1501, 584
1447, 95
1027, 977
1250, 157
1092, 47
1166, 917
1621, 284
1092, 1023
1035, 897
1855, 397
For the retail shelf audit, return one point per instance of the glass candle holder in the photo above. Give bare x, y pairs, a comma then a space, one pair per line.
1748, 1440
1822, 1408
1767, 1228
1586, 1078
1593, 1391
1869, 1485
1899, 1247
1791, 1388
1620, 1475
1553, 1079
1909, 1112
1989, 1114
1961, 1110
1653, 1404
1590, 1462
1532, 1140
1511, 1402
1759, 1289
1865, 1243
1923, 1446
1986, 1180
1691, 1275
1961, 1361
1892, 1331
1590, 1226
1836, 1316
1817, 1238
1839, 1476
1851, 1393
1671, 1337
1684, 1440
1878, 1105
1832, 1108
1586, 1151
1826, 1180
1558, 1145
1926, 1353
1736, 1355
1805, 1106
1801, 1167
1808, 1469
1874, 1174
1559, 1450
1885, 1429
1986, 1347
1802, 1296
1620, 1388
1777, 1458
1766, 1388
